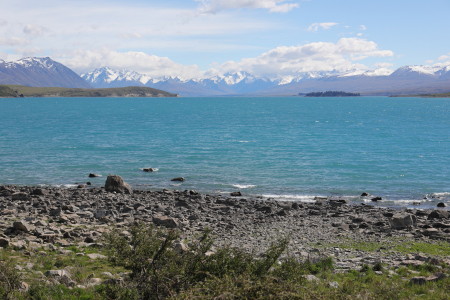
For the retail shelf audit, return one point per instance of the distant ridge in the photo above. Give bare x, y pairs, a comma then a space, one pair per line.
407, 80
39, 72
25, 91
403, 81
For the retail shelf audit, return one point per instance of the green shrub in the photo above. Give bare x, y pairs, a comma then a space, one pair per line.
159, 271
10, 280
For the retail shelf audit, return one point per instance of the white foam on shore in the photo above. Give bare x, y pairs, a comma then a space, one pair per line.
243, 186
67, 186
443, 194
301, 198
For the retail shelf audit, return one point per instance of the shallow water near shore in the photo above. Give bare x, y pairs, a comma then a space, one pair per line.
289, 148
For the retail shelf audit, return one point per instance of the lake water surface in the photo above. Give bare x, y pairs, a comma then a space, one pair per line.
287, 148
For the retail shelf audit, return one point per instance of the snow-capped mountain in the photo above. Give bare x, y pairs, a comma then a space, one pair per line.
107, 77
43, 72
405, 80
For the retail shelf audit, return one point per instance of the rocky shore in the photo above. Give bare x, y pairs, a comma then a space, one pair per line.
34, 217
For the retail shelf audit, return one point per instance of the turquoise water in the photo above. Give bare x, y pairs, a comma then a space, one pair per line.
290, 148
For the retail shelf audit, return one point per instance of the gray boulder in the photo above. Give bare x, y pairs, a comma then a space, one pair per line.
438, 214
115, 183
23, 226
403, 220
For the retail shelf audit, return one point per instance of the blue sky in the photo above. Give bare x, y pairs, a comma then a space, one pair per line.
198, 38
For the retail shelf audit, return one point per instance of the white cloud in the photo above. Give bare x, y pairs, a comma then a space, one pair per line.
130, 35
12, 41
312, 57
444, 57
325, 26
152, 65
384, 65
362, 27
278, 6
36, 30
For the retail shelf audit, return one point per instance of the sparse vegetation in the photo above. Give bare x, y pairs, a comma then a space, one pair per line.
150, 263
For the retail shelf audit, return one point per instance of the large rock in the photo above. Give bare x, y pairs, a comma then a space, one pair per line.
438, 214
23, 226
20, 196
403, 220
115, 183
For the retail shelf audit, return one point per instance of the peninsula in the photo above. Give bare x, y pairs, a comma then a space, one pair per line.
12, 91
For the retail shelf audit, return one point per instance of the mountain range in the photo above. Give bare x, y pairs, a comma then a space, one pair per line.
405, 80
45, 72
39, 72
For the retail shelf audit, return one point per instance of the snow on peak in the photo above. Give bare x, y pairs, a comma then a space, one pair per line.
235, 78
108, 75
425, 70
42, 62
369, 73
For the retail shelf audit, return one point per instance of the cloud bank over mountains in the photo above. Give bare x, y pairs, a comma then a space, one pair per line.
347, 54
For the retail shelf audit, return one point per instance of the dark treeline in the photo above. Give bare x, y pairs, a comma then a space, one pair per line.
332, 94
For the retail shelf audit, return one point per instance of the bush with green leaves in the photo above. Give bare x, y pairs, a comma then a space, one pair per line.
10, 280
159, 270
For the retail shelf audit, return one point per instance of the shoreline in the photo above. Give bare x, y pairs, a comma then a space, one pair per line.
424, 201
328, 228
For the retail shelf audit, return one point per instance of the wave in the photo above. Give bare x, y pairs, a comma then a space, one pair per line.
439, 195
244, 186
301, 198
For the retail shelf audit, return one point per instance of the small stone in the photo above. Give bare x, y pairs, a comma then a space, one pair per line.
364, 194
55, 212
167, 222
57, 273
149, 170
19, 196
95, 256
375, 199
235, 194
94, 281
24, 287
4, 243
180, 179
418, 280
93, 175
311, 278
333, 284
441, 204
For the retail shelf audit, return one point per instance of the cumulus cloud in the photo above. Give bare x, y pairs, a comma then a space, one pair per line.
325, 26
313, 57
152, 65
278, 6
